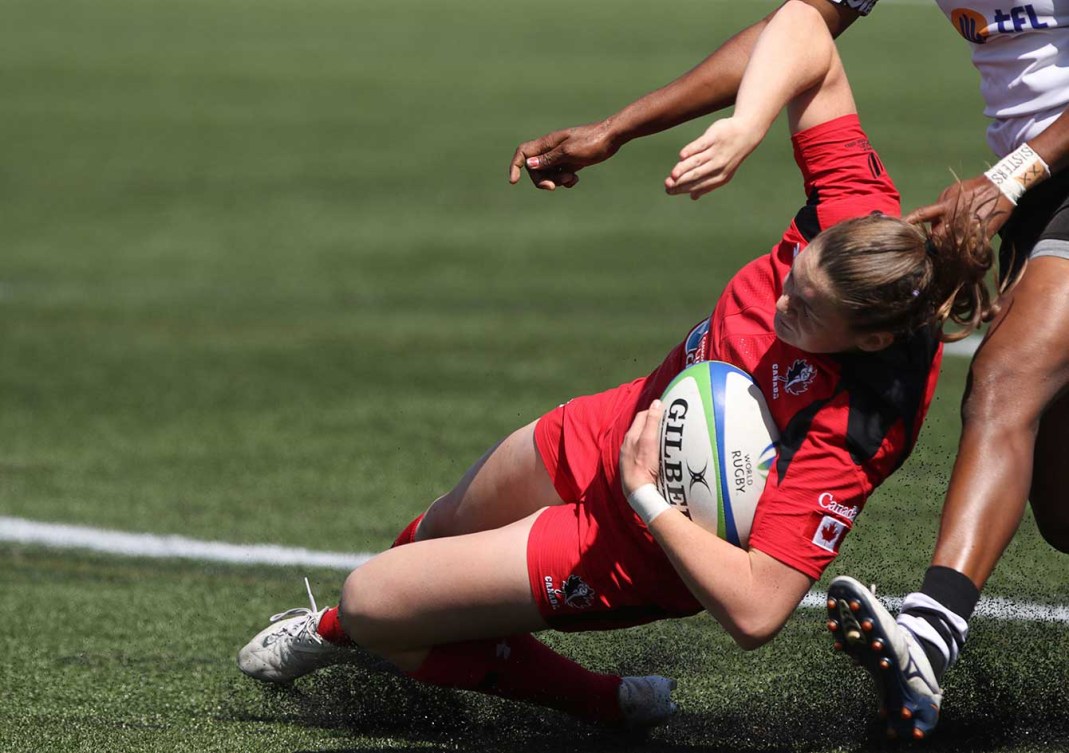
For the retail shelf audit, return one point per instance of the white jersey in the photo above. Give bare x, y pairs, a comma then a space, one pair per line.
1022, 53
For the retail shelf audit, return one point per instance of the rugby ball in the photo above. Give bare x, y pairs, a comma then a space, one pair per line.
718, 443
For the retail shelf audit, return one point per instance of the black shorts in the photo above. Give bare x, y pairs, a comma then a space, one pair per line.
1039, 226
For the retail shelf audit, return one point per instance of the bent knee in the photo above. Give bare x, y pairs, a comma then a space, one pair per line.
350, 613
440, 520
1005, 393
362, 614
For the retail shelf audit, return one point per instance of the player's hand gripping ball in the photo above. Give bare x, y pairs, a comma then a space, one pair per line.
718, 443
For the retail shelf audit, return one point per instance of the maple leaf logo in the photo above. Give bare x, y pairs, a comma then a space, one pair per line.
799, 375
829, 532
577, 593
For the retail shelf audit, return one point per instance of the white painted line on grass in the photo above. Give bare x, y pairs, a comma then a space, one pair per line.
992, 607
59, 536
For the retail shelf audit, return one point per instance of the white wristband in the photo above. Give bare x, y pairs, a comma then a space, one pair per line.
647, 502
1017, 172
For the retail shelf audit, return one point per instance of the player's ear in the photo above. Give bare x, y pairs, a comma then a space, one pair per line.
870, 342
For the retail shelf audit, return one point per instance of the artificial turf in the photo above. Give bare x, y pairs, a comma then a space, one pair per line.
263, 281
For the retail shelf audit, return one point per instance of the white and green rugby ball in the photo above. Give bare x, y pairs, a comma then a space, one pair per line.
718, 443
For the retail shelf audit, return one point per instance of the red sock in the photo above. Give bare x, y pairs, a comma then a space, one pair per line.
408, 535
522, 668
330, 629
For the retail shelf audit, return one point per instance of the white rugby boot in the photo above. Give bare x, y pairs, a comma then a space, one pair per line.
291, 647
646, 701
909, 691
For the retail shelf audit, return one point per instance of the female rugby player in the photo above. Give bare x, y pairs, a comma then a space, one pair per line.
1015, 426
840, 327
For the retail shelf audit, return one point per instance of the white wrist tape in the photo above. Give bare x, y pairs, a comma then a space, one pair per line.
647, 502
1017, 172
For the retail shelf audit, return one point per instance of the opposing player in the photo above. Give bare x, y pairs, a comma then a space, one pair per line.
1016, 410
839, 326
1014, 445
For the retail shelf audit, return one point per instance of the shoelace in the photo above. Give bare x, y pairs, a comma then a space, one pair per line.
302, 627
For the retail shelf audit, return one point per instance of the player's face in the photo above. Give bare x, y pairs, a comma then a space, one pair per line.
808, 315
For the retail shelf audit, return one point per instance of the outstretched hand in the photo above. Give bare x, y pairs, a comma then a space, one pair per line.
640, 455
711, 160
978, 196
555, 159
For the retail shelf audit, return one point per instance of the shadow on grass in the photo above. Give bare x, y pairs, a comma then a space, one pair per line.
1010, 693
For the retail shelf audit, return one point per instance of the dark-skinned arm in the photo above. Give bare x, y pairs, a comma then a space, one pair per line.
555, 159
982, 198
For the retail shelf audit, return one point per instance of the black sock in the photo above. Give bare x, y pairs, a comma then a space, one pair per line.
938, 615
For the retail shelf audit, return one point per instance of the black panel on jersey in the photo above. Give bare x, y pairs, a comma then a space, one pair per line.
806, 220
795, 432
884, 388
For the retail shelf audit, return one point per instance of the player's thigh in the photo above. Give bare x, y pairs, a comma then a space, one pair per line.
444, 590
1023, 362
1050, 475
508, 483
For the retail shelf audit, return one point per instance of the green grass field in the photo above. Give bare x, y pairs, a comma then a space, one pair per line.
263, 281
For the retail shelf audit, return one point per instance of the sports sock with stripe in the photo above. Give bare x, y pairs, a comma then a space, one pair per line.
938, 615
522, 668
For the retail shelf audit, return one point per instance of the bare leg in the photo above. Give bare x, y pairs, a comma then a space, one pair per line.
1021, 367
508, 483
445, 590
457, 612
1014, 383
1017, 375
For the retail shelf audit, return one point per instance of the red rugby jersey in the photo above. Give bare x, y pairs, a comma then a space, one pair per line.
846, 421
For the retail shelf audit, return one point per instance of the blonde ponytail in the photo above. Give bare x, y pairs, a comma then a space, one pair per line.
895, 277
